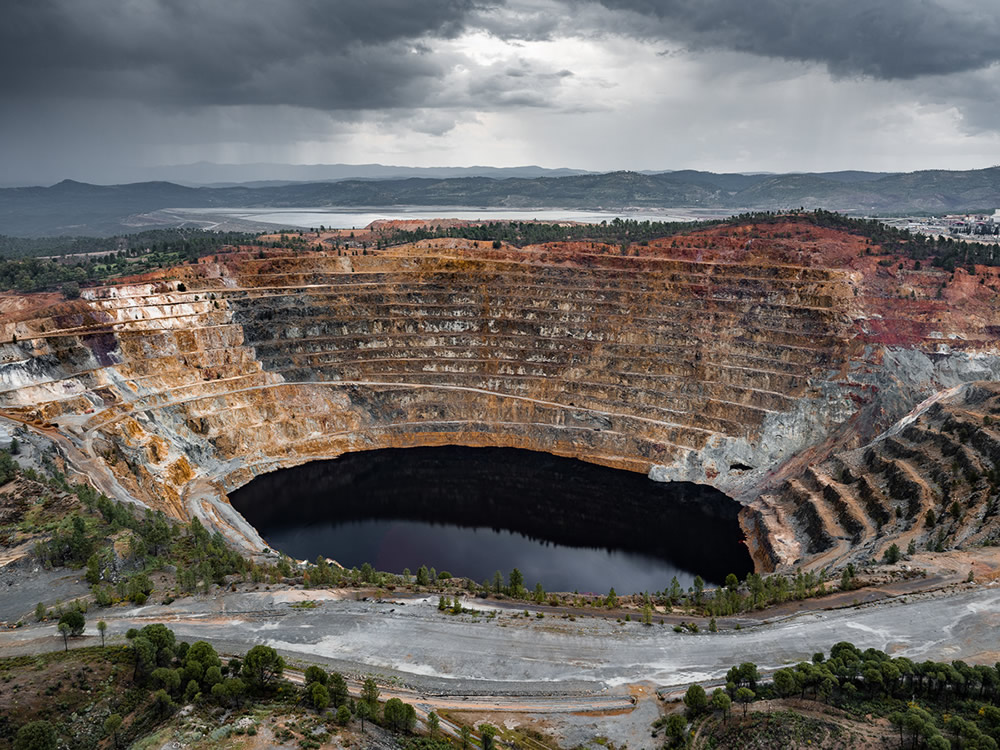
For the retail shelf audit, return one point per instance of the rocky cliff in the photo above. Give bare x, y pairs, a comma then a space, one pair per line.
762, 360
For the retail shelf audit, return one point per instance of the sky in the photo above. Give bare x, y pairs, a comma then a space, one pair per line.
99, 90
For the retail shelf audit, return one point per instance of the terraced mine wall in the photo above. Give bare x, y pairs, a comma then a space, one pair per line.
726, 358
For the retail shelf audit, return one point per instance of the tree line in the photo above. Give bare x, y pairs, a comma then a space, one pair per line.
522, 233
186, 240
943, 252
36, 264
927, 702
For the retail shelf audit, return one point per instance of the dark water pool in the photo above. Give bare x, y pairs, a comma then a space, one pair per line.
570, 525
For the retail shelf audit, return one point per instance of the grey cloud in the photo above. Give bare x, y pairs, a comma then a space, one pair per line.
92, 88
886, 39
525, 20
345, 54
433, 122
517, 85
975, 96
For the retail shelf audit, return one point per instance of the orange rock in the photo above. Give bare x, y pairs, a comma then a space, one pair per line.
748, 357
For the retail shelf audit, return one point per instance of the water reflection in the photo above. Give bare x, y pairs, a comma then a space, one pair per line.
568, 524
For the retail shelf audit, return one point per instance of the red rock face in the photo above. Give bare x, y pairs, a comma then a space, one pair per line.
739, 356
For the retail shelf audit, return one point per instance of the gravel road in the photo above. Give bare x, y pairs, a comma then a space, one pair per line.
414, 644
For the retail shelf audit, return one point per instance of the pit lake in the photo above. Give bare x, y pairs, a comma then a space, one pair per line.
567, 524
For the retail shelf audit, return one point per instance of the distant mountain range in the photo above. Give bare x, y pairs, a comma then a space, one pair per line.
208, 174
77, 208
264, 174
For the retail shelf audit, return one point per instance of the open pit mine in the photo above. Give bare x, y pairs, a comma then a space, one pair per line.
838, 393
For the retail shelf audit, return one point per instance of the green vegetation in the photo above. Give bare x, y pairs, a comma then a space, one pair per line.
755, 592
74, 622
775, 729
121, 547
262, 668
111, 726
892, 554
188, 243
124, 692
931, 704
34, 264
946, 253
399, 716
522, 233
696, 700
487, 734
38, 735
78, 694
8, 466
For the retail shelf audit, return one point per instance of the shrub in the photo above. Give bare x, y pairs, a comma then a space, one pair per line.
139, 588
316, 674
38, 735
891, 555
343, 715
102, 595
261, 667
75, 621
338, 689
319, 696
695, 699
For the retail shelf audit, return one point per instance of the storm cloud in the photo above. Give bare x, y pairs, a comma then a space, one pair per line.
889, 39
96, 89
348, 54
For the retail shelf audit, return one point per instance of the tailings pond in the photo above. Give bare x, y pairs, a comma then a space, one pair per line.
570, 525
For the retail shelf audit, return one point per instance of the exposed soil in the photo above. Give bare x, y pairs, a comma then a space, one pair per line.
74, 690
793, 724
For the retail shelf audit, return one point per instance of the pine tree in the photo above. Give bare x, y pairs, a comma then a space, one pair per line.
611, 601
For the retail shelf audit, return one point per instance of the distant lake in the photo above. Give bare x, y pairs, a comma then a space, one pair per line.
354, 218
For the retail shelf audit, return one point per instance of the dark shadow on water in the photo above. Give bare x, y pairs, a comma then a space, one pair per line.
566, 523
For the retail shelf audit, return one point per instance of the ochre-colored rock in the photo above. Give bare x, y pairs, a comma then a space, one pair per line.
758, 359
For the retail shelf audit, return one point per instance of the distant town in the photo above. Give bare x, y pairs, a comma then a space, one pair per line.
970, 227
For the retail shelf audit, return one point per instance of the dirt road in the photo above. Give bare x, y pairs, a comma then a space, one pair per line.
416, 646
